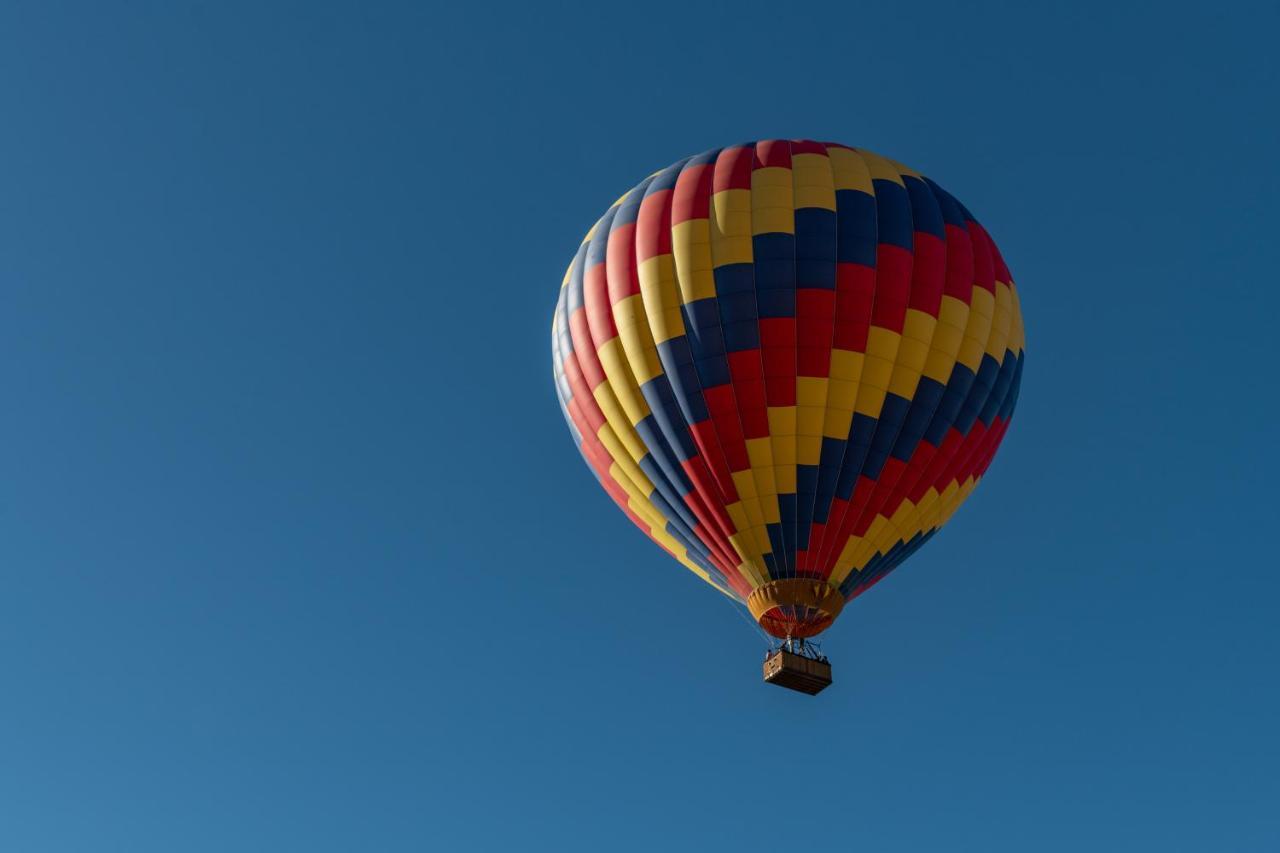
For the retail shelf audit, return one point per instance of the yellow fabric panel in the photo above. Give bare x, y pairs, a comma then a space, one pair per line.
629, 311
844, 561
953, 312
933, 512
760, 455
1017, 335
874, 533
742, 540
691, 246
850, 171
961, 495
811, 391
944, 500
753, 488
784, 452
880, 168
745, 514
913, 351
624, 461
977, 330
737, 513
811, 397
883, 534
618, 419
1000, 323
955, 493
682, 556
814, 183
745, 545
983, 301
661, 302
768, 500
782, 420
903, 170
644, 510
841, 395
881, 344
877, 371
748, 518
784, 448
942, 354
837, 422
858, 550
668, 540
618, 374
850, 559
782, 437
754, 515
906, 372
754, 571
730, 226
918, 325
909, 519
637, 344
871, 397
772, 199
901, 525
842, 392
846, 366
809, 445
948, 335
639, 504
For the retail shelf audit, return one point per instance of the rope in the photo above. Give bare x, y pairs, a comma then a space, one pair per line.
768, 641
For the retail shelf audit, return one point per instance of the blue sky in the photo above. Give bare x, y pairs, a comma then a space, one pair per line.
298, 554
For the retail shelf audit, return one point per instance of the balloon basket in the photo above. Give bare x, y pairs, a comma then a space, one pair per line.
799, 666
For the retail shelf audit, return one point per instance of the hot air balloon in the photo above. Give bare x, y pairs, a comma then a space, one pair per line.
788, 363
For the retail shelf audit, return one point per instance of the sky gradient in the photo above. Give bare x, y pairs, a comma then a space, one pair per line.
298, 553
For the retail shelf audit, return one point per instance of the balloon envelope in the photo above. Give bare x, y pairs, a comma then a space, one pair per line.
788, 362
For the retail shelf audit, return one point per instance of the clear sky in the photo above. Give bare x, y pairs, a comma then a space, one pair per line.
298, 554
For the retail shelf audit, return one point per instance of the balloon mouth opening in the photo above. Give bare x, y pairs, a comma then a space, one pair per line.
795, 622
795, 607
